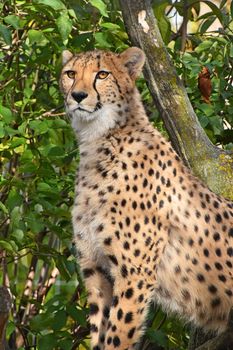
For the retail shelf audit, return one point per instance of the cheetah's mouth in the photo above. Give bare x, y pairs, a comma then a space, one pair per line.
79, 108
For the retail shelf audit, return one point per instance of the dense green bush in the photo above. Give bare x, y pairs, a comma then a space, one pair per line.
39, 153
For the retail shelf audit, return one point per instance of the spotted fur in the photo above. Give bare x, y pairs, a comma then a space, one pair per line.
145, 228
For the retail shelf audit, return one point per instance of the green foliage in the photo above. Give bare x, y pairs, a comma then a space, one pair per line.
39, 153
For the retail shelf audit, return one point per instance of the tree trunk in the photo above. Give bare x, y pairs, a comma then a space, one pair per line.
5, 307
213, 165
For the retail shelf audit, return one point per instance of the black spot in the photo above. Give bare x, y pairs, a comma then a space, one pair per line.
177, 269
218, 252
116, 341
129, 293
229, 292
141, 298
119, 314
88, 273
115, 301
100, 228
114, 175
113, 259
218, 218
109, 340
126, 245
110, 188
106, 312
93, 328
207, 267
124, 271
136, 252
200, 277
145, 183
161, 204
102, 338
191, 242
230, 233
212, 289
151, 172
127, 221
94, 309
207, 218
216, 236
230, 251
137, 227
108, 241
134, 205
222, 278
131, 333
128, 317
96, 347
185, 294
215, 302
218, 266
206, 252
123, 202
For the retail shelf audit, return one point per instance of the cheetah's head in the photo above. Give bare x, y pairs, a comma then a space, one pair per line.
97, 87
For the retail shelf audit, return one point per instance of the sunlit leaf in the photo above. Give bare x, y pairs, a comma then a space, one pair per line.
100, 5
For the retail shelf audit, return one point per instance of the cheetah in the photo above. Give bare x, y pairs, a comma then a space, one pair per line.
145, 228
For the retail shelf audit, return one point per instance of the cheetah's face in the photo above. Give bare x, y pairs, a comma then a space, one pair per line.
96, 87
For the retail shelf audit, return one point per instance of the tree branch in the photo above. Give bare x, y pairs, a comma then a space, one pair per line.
213, 165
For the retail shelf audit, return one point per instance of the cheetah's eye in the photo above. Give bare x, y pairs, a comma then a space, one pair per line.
70, 74
102, 74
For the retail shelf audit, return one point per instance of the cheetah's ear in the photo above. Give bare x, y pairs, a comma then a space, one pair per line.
134, 59
66, 56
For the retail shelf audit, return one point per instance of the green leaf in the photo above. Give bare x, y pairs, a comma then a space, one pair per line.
36, 36
158, 337
55, 4
215, 10
78, 315
14, 199
101, 40
59, 320
205, 45
6, 114
3, 208
6, 245
110, 25
2, 131
64, 25
6, 34
13, 20
232, 9
101, 6
39, 126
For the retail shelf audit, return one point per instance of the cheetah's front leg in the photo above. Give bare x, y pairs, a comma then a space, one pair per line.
99, 286
131, 299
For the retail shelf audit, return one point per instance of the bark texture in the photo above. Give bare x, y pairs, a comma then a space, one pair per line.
5, 307
213, 165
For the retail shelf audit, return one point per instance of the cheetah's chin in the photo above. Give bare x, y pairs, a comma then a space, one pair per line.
83, 115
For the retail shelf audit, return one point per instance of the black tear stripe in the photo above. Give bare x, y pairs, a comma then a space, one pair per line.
98, 104
117, 84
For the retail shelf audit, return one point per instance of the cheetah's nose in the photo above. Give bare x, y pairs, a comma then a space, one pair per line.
79, 96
